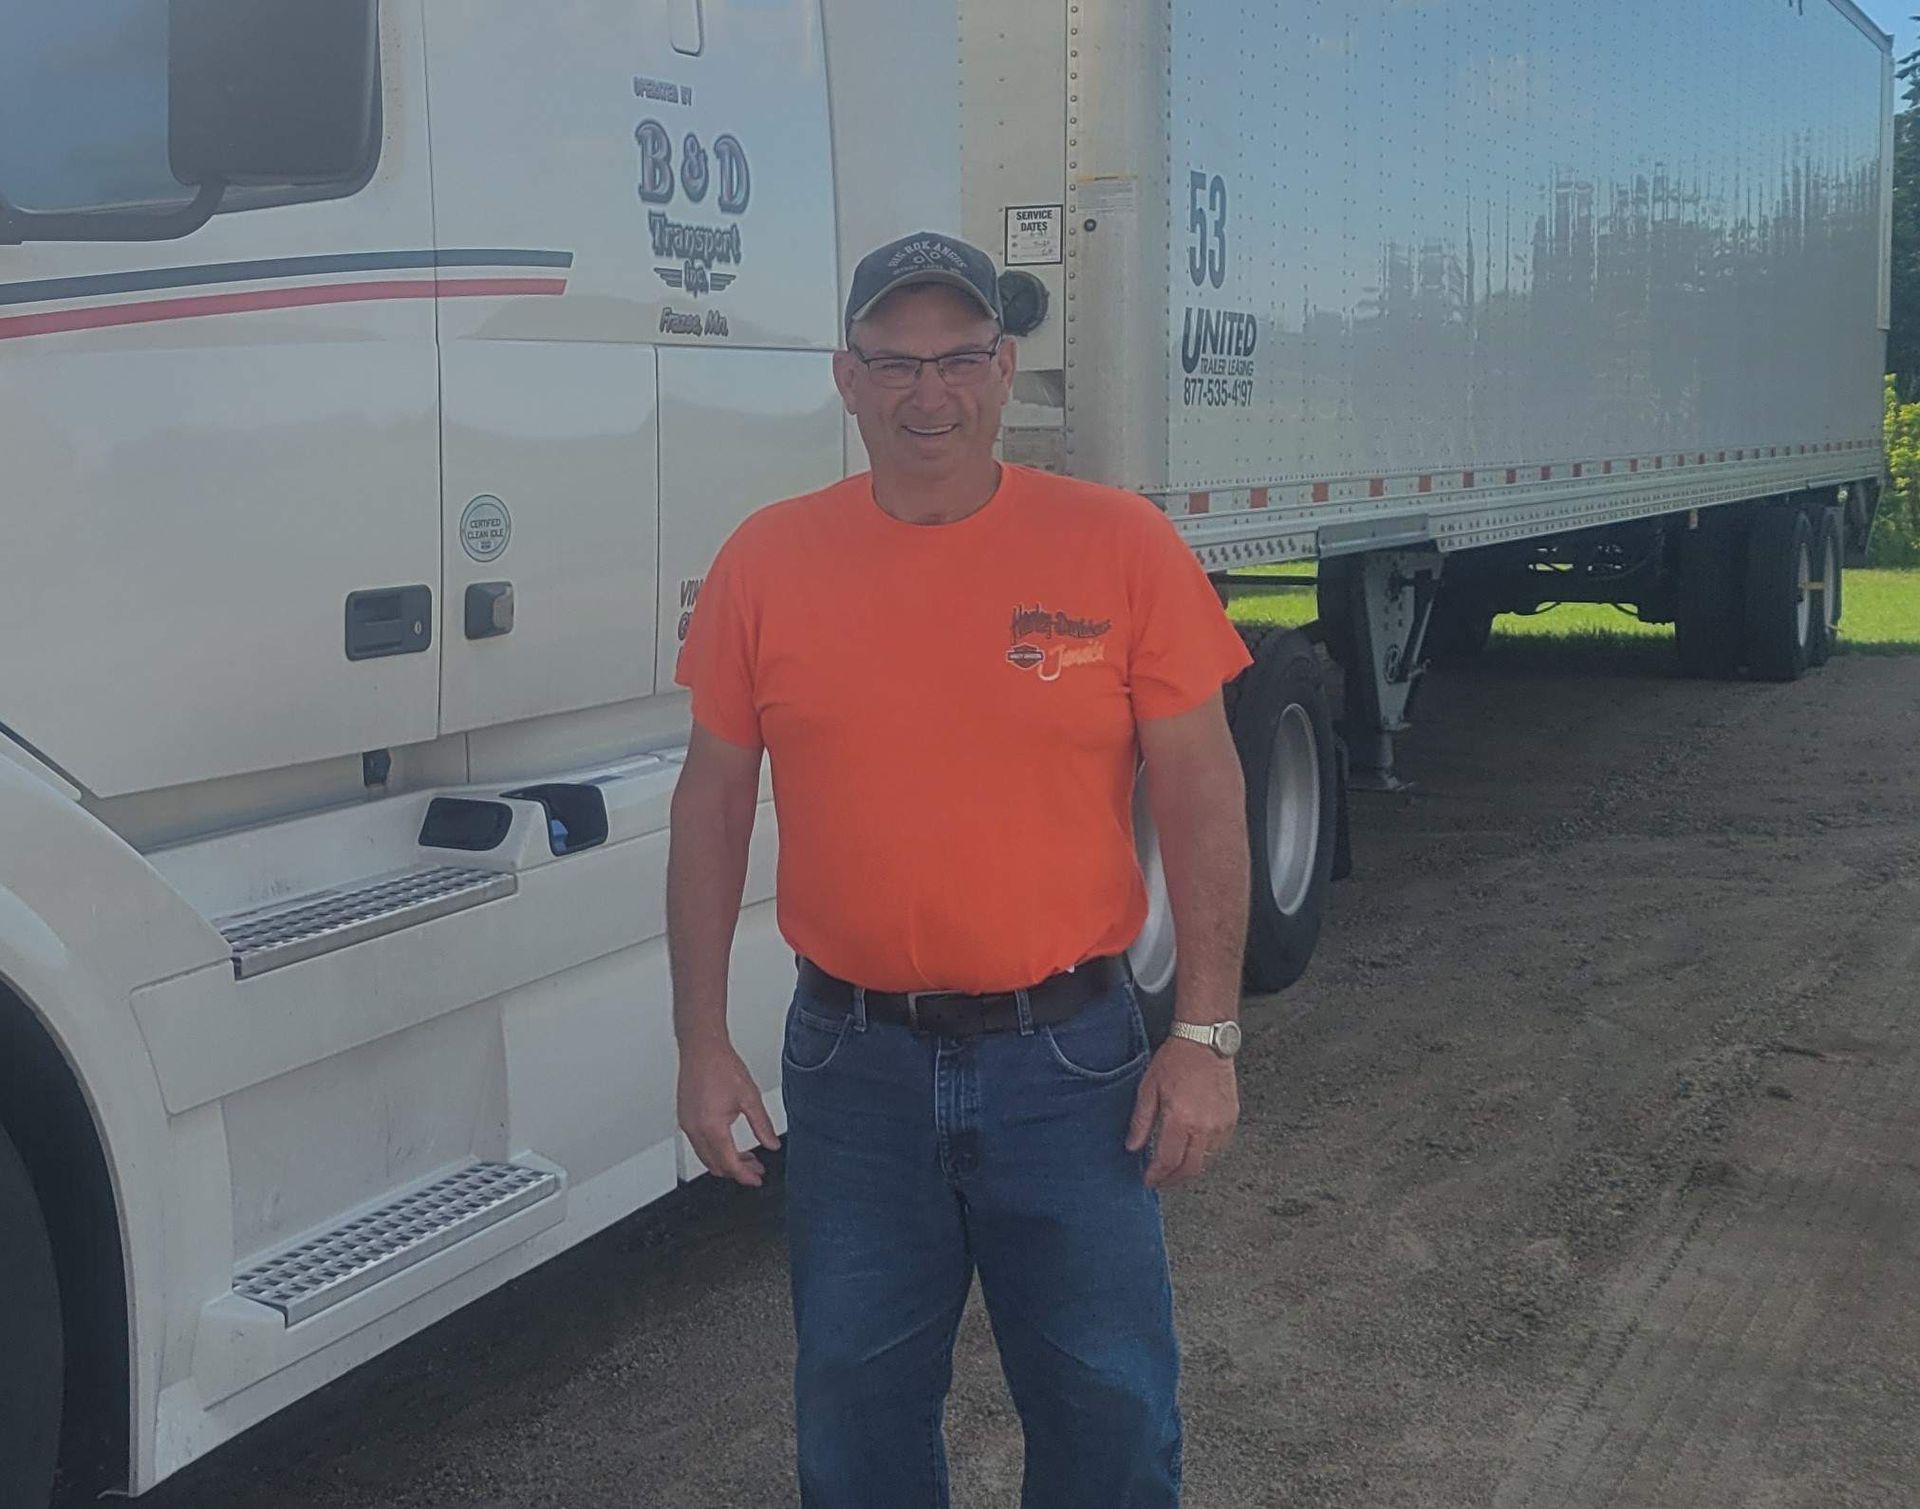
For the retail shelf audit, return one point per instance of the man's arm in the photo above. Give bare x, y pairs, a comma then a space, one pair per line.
712, 823
1197, 795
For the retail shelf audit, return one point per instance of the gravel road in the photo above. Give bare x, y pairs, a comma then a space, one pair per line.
1582, 1169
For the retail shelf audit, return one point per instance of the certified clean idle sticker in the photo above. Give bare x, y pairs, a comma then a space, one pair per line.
485, 528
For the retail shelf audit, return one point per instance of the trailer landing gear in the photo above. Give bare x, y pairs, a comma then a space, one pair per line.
1375, 611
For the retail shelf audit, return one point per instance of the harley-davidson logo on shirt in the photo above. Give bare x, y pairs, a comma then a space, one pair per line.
1075, 641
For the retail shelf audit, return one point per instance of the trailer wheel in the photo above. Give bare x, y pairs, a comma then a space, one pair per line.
1152, 957
1829, 564
1284, 732
1779, 602
30, 1341
1709, 609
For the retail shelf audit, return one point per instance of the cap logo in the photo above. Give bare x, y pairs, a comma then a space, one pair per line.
926, 254
924, 257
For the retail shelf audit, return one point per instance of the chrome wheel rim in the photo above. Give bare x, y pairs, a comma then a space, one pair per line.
1293, 810
1152, 955
1830, 576
1803, 603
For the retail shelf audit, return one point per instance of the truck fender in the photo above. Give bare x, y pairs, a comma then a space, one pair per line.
84, 920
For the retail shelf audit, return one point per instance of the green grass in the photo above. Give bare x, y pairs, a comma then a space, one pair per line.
1882, 616
1881, 612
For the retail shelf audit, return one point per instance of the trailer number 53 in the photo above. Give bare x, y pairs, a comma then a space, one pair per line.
1207, 217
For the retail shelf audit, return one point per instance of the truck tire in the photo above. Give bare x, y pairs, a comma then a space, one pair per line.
1343, 813
1152, 958
1458, 628
1779, 616
1709, 609
1333, 602
1857, 516
1252, 636
1829, 568
1284, 732
30, 1341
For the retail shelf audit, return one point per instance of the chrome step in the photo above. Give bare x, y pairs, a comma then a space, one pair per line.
306, 1279
321, 921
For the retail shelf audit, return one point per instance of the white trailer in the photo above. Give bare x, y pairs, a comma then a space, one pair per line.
378, 379
1481, 304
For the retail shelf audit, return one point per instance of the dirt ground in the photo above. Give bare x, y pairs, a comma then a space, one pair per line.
1580, 1170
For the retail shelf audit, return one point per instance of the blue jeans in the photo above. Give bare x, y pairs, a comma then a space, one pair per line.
912, 1162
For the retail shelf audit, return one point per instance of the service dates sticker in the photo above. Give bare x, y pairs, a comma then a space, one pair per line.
1035, 235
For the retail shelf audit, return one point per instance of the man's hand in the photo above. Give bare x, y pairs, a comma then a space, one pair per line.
1197, 794
716, 1090
1194, 1096
712, 825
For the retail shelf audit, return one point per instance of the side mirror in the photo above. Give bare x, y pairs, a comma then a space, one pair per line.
272, 91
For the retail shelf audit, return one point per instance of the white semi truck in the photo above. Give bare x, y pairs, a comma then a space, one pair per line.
378, 378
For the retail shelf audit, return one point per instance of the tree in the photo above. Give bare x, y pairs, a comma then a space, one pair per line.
1903, 340
1896, 532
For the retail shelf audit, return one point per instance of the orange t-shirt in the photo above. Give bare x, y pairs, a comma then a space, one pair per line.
950, 713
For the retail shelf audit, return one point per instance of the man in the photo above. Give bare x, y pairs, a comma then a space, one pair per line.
955, 667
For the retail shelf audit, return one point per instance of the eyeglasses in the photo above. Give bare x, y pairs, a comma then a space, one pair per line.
958, 369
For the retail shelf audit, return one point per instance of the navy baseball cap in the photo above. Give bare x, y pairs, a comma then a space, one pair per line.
924, 257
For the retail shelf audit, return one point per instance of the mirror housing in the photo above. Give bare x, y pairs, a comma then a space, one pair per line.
273, 91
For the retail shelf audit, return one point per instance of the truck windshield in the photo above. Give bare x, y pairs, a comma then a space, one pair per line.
83, 107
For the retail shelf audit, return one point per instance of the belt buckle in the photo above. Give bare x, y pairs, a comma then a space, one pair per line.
914, 998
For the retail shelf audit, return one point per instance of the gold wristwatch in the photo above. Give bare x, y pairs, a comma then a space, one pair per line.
1222, 1037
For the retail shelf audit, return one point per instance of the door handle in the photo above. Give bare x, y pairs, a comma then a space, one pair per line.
489, 609
389, 621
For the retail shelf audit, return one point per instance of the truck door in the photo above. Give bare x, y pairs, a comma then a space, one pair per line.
643, 190
213, 443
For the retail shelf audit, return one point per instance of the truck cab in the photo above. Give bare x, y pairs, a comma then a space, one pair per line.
377, 381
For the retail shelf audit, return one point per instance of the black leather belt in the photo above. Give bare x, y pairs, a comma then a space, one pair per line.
948, 1013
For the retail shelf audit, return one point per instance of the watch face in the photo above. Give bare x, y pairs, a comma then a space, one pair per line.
1226, 1038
